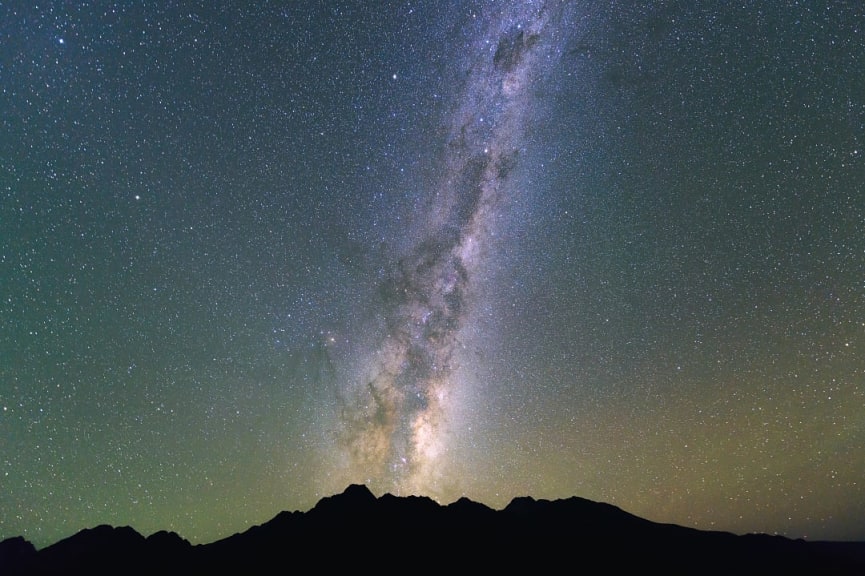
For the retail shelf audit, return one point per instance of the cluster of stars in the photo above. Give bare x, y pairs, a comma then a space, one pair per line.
206, 214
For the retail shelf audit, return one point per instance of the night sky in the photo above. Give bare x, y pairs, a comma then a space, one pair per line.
250, 255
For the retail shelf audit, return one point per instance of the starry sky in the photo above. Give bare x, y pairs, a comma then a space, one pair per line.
252, 254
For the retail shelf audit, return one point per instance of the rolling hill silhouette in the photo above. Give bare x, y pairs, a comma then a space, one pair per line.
393, 534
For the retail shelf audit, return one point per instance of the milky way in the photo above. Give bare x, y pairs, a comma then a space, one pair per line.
395, 418
250, 254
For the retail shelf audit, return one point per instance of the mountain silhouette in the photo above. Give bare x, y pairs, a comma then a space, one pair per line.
393, 534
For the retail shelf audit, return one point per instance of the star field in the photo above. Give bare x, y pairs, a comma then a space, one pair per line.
492, 249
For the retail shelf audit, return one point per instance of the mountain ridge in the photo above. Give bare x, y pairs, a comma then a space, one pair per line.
388, 532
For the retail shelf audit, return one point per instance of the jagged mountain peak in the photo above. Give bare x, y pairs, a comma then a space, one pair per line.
388, 533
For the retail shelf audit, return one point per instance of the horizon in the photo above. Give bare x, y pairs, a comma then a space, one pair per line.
249, 257
409, 496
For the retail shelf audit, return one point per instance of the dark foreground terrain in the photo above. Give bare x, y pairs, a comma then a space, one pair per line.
358, 531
